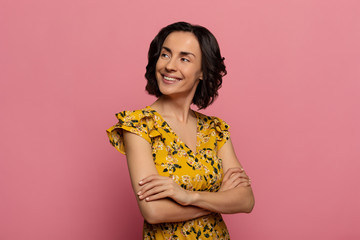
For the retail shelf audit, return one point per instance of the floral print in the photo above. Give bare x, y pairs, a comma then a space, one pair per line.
195, 171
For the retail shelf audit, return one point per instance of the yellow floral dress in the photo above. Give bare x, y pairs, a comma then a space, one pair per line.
195, 171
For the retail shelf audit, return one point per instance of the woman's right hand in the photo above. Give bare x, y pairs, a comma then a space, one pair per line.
233, 178
156, 187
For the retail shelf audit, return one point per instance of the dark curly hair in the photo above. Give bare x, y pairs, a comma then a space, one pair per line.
213, 66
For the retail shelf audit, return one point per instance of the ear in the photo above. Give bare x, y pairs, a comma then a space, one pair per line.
201, 76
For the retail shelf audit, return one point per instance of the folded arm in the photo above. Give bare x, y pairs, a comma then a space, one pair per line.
235, 195
235, 200
141, 165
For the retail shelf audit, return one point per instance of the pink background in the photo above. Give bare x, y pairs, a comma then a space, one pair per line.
291, 97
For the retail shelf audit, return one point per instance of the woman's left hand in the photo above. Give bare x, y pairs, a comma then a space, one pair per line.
157, 187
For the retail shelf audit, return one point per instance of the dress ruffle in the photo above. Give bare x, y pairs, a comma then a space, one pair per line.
222, 129
140, 122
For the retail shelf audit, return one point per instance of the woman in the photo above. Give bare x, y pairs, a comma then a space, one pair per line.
183, 168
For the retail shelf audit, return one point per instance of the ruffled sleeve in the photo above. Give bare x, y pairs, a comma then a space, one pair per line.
222, 132
138, 122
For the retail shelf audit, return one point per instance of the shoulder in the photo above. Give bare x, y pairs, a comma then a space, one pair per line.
214, 126
213, 121
134, 116
139, 122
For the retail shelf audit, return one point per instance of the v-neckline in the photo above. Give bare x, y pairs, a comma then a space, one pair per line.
194, 152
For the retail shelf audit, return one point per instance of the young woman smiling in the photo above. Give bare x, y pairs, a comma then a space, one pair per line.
182, 164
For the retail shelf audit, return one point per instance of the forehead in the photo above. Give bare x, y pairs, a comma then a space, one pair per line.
182, 42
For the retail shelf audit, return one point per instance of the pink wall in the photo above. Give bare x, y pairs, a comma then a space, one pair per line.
291, 97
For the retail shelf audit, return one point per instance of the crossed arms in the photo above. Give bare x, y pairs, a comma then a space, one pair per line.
160, 199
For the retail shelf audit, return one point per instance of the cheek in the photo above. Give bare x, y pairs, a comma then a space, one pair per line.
157, 65
157, 68
195, 73
160, 63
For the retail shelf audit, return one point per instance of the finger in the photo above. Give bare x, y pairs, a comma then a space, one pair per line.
152, 184
238, 176
235, 175
153, 191
157, 196
230, 178
150, 178
242, 175
236, 169
245, 183
235, 183
234, 180
231, 171
230, 182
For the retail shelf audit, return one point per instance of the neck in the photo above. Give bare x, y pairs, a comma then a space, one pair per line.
173, 107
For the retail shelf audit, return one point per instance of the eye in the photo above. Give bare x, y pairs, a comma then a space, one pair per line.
164, 55
185, 60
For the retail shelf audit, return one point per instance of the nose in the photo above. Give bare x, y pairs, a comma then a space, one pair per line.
171, 65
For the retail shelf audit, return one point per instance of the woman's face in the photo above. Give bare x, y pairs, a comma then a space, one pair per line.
178, 69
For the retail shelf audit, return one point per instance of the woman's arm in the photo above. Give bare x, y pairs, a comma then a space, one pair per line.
141, 165
233, 200
238, 199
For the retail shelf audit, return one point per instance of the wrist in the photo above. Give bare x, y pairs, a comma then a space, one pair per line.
192, 197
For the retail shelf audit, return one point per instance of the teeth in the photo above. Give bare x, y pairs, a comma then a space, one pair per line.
169, 78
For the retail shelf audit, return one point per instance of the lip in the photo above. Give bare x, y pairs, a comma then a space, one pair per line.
170, 79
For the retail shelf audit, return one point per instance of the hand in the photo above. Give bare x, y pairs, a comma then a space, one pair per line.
157, 187
233, 178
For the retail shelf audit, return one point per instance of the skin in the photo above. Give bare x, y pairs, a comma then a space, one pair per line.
160, 199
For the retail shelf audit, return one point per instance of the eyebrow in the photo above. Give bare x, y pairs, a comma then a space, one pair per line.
181, 53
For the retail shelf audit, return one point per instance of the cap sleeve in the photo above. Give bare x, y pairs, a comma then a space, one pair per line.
222, 132
132, 121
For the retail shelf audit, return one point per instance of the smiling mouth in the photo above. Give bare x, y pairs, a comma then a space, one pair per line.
170, 79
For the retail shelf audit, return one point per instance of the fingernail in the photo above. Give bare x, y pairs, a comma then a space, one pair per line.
141, 182
141, 196
139, 192
147, 199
